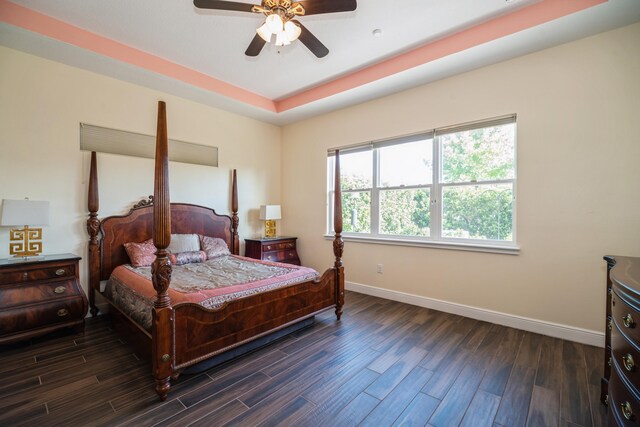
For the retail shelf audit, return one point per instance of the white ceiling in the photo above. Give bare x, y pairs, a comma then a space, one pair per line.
213, 43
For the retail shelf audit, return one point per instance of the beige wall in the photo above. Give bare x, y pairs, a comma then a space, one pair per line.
41, 105
578, 180
578, 174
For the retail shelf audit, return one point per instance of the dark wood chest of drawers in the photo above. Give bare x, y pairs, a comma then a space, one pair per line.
621, 380
39, 296
277, 249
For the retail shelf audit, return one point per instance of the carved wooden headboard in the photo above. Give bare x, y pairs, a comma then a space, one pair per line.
137, 226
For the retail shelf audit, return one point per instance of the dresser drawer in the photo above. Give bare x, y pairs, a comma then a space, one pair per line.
626, 357
624, 408
16, 295
19, 275
41, 315
625, 317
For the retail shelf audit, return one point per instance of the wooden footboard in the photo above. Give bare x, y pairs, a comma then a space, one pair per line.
202, 333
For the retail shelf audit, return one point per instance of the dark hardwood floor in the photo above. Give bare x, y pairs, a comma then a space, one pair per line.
384, 364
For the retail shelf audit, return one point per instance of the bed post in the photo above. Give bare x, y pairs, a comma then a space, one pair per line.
338, 244
162, 329
93, 227
234, 215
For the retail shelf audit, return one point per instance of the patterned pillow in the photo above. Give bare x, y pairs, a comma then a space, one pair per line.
141, 254
188, 257
213, 246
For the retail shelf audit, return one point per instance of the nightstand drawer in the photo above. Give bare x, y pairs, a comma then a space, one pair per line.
38, 296
279, 256
20, 320
36, 273
278, 246
12, 296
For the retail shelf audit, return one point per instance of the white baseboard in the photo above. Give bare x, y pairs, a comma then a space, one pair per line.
570, 333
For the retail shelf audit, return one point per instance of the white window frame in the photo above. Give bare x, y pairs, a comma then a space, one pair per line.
435, 239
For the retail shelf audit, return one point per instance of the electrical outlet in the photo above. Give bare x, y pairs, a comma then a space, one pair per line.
380, 268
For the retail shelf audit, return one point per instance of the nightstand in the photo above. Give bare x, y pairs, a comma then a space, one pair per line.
277, 249
39, 296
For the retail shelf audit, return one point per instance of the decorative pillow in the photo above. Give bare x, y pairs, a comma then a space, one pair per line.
184, 243
141, 254
213, 246
188, 257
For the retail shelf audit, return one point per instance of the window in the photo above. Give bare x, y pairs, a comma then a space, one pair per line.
447, 185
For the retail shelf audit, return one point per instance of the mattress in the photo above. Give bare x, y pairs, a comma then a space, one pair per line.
209, 284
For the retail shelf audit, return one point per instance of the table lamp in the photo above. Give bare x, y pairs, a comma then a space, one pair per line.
269, 213
24, 242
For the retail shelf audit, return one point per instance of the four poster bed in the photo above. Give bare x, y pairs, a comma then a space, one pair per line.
185, 325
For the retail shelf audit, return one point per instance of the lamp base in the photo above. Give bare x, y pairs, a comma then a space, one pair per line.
25, 242
270, 228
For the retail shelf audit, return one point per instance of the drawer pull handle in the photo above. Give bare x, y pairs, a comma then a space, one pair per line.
59, 289
269, 247
628, 321
63, 312
627, 361
269, 257
25, 275
626, 410
60, 272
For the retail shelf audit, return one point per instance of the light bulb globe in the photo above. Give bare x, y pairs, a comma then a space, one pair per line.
275, 23
292, 30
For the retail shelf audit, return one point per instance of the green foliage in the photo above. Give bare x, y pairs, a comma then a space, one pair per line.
404, 212
482, 211
478, 155
356, 212
478, 212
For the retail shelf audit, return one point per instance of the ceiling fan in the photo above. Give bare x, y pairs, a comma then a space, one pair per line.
280, 20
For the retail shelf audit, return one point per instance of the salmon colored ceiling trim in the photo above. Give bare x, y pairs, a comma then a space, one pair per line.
522, 19
31, 20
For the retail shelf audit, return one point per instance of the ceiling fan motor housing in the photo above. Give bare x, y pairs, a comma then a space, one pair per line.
284, 8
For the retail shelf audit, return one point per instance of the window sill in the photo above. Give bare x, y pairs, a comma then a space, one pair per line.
473, 247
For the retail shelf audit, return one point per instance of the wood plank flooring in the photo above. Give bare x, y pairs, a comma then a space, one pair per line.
384, 364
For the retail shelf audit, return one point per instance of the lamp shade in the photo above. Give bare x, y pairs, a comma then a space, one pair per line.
24, 212
292, 30
270, 212
265, 32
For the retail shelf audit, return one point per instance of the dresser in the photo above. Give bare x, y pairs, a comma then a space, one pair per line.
621, 381
39, 296
277, 249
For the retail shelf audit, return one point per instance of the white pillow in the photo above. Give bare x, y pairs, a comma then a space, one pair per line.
184, 243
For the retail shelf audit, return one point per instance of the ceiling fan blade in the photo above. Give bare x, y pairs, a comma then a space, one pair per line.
255, 46
312, 42
223, 5
315, 7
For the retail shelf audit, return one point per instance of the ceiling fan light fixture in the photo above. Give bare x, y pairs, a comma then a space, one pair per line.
292, 30
281, 39
265, 32
275, 24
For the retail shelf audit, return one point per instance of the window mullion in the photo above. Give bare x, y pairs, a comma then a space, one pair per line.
375, 194
436, 192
